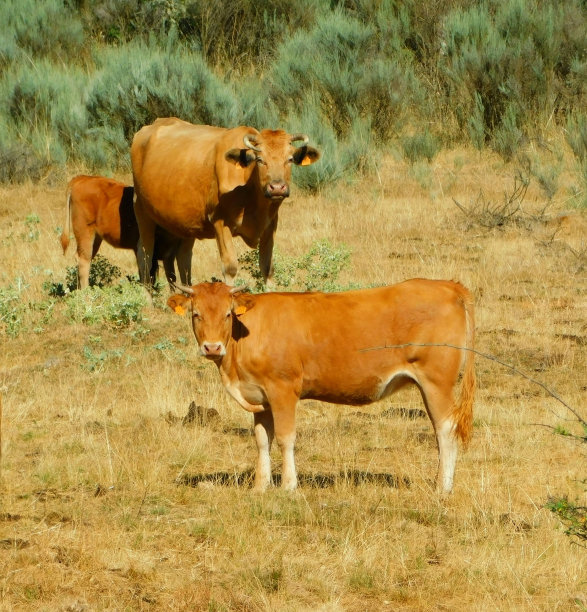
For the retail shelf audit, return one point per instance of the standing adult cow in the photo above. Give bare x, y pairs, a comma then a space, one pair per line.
354, 347
200, 181
100, 208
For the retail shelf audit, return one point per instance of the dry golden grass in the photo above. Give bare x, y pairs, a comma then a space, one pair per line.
106, 501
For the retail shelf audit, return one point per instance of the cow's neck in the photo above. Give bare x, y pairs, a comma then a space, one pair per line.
227, 367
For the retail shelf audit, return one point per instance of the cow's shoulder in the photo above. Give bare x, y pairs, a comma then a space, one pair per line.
231, 175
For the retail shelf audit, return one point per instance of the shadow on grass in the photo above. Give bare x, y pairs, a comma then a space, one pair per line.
315, 481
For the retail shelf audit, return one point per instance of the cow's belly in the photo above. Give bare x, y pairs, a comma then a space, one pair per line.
186, 223
354, 389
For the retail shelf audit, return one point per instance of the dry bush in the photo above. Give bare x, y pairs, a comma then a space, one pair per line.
110, 499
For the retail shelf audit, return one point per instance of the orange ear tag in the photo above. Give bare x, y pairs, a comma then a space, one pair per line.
306, 161
180, 310
240, 310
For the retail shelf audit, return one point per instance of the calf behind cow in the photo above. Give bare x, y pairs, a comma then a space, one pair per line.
100, 208
276, 348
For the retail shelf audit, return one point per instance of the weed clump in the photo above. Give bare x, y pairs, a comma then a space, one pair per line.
316, 270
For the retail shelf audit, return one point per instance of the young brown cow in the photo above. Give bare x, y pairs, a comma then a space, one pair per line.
354, 347
100, 208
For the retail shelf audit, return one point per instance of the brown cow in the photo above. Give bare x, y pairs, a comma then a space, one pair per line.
199, 181
275, 348
100, 208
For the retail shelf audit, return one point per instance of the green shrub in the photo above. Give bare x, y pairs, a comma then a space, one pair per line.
505, 68
317, 270
102, 274
18, 162
576, 135
423, 145
250, 30
329, 62
40, 29
507, 136
159, 83
117, 306
44, 106
12, 309
573, 516
340, 158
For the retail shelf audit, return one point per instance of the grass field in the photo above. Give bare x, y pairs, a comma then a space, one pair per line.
111, 500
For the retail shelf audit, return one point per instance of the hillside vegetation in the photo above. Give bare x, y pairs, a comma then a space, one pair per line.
79, 78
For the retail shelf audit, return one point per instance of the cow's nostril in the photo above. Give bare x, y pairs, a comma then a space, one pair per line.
212, 348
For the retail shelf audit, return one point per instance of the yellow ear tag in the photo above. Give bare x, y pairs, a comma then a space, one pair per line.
306, 161
180, 310
240, 310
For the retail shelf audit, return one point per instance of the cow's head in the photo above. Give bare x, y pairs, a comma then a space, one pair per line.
273, 152
213, 307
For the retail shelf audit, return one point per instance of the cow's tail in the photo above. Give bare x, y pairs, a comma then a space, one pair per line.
463, 410
67, 223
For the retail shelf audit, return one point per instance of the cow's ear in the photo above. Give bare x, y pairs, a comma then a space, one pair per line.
178, 303
241, 157
242, 302
304, 156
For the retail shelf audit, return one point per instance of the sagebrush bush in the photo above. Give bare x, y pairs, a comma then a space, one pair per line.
32, 29
340, 158
576, 136
78, 79
135, 86
339, 82
422, 145
45, 106
501, 66
250, 30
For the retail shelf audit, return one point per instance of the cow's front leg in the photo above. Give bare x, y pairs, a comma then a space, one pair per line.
227, 251
264, 436
266, 252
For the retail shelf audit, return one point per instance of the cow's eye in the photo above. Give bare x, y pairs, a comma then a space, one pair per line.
260, 161
195, 315
290, 160
229, 314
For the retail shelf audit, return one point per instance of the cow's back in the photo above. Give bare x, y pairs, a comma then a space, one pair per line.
335, 343
178, 169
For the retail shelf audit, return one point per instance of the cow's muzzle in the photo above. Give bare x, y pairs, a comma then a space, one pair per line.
213, 350
277, 189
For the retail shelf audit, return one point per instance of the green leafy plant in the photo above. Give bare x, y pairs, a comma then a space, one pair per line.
317, 270
102, 274
32, 225
117, 306
12, 309
573, 516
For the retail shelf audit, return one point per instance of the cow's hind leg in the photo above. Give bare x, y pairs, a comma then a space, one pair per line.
264, 431
146, 244
439, 404
87, 247
184, 261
